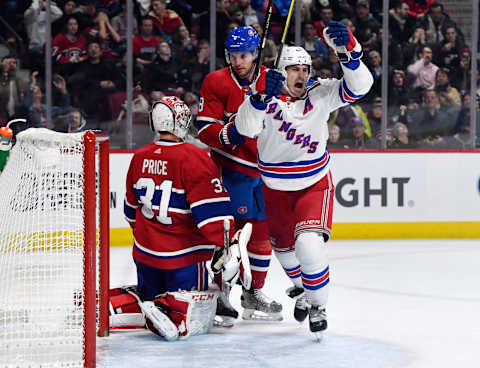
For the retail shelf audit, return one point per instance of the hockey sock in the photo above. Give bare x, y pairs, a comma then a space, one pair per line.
291, 266
311, 251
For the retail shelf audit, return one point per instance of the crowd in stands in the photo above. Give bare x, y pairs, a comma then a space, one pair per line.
428, 76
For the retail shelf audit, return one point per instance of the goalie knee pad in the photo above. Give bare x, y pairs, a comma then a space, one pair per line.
311, 251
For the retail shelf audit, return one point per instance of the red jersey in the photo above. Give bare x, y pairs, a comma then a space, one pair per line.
220, 97
140, 46
64, 50
175, 203
166, 25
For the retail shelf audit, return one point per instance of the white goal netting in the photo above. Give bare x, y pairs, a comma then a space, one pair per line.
41, 251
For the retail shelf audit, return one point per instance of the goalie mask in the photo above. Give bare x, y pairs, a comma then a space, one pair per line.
172, 115
294, 55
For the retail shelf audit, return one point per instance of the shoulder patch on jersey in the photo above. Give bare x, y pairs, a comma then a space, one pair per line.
308, 106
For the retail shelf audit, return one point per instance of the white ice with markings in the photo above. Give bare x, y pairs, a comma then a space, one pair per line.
402, 303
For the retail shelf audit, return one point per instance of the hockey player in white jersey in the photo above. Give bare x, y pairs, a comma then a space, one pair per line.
292, 137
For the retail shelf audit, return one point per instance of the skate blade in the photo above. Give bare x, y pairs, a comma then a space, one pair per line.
256, 315
318, 336
221, 321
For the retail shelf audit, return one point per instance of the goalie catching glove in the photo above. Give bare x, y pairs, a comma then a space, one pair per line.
340, 38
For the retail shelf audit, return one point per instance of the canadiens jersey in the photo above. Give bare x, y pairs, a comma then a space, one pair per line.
220, 97
175, 204
64, 50
292, 132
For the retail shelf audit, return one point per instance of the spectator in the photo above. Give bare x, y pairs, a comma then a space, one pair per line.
145, 44
418, 9
95, 79
69, 48
200, 66
75, 121
182, 46
343, 9
430, 123
222, 19
12, 88
374, 116
343, 118
401, 23
164, 20
81, 13
423, 71
448, 50
270, 51
398, 92
236, 14
464, 115
334, 135
360, 140
435, 23
37, 111
250, 15
462, 137
461, 73
103, 33
314, 46
414, 47
163, 73
366, 25
326, 16
400, 137
374, 63
35, 18
119, 23
447, 95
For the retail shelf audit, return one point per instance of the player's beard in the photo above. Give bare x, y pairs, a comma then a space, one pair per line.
245, 73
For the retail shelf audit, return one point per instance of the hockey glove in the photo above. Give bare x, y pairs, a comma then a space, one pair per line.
273, 87
339, 37
219, 263
230, 137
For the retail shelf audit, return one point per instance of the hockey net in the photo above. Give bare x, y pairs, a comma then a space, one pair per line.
53, 249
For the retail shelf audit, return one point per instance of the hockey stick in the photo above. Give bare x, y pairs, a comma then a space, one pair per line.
284, 34
263, 41
226, 245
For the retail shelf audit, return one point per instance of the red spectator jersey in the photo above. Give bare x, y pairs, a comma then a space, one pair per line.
166, 25
220, 97
175, 203
140, 46
64, 50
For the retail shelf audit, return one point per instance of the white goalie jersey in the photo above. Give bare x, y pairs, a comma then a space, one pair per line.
292, 132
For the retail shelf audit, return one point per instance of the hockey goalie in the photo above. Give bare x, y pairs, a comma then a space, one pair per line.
181, 217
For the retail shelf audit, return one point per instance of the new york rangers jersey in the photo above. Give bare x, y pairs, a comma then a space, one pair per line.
292, 132
175, 203
220, 97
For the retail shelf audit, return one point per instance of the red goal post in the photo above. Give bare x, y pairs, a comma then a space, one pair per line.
54, 249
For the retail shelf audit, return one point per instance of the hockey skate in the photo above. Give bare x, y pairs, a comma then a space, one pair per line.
300, 311
225, 314
257, 306
318, 320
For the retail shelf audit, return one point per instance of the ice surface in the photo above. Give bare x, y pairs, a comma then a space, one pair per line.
408, 304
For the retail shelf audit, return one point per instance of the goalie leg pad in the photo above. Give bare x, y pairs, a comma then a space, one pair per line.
192, 312
158, 322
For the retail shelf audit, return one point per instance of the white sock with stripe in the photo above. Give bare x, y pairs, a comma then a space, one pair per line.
291, 266
311, 251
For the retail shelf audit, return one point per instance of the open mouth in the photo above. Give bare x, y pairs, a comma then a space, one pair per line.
298, 85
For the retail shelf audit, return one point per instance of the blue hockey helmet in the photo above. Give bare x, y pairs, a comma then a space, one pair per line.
242, 39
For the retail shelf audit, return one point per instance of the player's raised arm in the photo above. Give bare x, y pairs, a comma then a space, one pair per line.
357, 79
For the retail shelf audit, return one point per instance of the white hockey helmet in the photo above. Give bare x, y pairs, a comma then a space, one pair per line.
294, 55
172, 115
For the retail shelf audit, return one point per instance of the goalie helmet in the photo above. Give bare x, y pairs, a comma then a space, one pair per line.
294, 55
172, 115
242, 39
